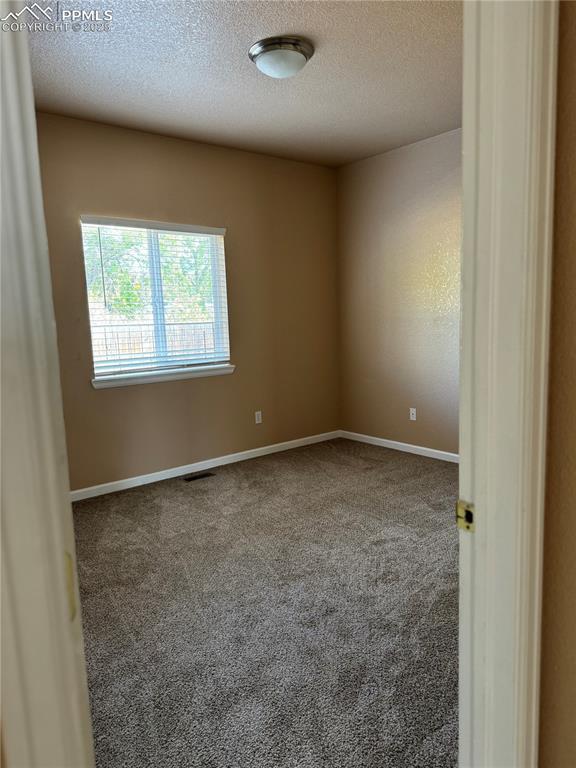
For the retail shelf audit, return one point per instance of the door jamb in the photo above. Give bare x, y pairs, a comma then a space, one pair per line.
45, 708
510, 51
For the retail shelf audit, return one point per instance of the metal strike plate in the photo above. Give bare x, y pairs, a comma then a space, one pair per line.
465, 515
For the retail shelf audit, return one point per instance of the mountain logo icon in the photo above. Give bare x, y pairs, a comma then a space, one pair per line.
34, 10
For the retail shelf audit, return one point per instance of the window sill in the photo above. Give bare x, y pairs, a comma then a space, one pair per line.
170, 374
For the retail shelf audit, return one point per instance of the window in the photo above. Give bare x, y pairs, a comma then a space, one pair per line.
157, 300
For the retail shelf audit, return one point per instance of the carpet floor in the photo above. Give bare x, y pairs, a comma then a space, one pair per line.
293, 611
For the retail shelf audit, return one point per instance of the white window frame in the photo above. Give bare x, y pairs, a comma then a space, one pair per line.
201, 370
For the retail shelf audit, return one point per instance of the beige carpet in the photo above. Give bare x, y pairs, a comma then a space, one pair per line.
297, 610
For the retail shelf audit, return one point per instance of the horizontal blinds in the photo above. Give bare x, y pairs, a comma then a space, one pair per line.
156, 297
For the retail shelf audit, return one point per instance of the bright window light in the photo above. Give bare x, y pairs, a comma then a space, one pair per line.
156, 296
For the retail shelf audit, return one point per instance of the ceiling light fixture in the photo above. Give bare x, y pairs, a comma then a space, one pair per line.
281, 57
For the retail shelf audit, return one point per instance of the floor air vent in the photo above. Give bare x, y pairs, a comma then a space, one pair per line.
197, 476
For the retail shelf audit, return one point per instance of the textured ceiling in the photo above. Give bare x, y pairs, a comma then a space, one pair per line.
384, 73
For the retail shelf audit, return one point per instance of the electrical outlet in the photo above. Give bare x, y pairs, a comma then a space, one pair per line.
412, 414
258, 417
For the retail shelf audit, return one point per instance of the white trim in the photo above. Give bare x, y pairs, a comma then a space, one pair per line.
164, 226
431, 453
508, 150
198, 466
167, 374
45, 709
252, 453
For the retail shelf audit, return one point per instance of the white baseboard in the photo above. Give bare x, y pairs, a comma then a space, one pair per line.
431, 453
253, 453
197, 466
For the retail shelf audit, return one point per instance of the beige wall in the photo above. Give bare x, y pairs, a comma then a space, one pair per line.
400, 232
280, 252
394, 323
558, 711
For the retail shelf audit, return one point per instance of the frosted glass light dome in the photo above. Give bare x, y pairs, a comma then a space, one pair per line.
280, 64
281, 57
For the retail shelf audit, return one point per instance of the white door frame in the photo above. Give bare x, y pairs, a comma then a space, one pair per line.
45, 712
508, 160
509, 107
